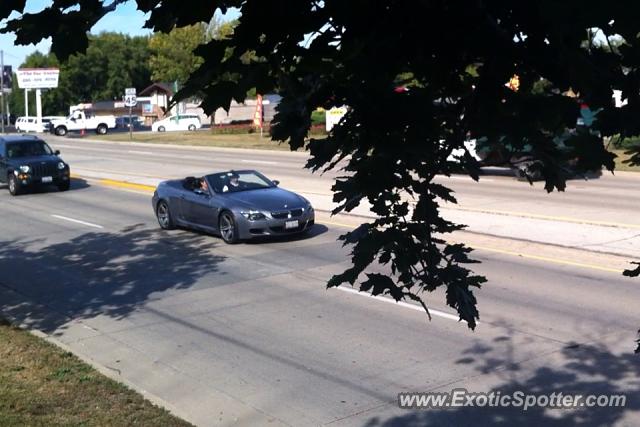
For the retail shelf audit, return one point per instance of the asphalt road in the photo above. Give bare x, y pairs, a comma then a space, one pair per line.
248, 334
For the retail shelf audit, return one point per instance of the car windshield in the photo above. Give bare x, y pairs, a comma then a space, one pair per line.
28, 149
231, 182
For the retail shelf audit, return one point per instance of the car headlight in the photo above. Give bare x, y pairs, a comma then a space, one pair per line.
25, 169
61, 165
309, 208
253, 215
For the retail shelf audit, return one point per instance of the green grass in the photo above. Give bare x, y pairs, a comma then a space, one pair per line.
41, 384
620, 165
201, 138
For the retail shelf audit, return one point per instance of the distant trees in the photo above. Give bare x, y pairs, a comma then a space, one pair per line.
111, 63
172, 54
115, 61
172, 58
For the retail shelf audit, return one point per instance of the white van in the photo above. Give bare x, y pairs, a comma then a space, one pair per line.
28, 124
178, 122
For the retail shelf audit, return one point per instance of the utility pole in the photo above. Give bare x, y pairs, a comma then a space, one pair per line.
2, 88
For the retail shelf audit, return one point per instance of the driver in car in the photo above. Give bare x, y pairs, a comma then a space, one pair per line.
234, 183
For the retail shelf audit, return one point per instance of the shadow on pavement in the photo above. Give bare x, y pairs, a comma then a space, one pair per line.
98, 273
587, 369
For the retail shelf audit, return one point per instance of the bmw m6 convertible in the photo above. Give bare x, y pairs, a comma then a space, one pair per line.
237, 205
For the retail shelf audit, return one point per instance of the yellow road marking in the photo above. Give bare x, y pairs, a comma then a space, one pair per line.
546, 217
550, 260
129, 185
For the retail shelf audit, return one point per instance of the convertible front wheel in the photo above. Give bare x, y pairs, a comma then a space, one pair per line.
163, 213
228, 228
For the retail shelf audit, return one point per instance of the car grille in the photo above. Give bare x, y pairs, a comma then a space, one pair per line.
48, 169
285, 214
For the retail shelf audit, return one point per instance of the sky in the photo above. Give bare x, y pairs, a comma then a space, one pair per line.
126, 19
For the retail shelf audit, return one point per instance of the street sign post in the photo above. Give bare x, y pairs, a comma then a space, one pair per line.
130, 100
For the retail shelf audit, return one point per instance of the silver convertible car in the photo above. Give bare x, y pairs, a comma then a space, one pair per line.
237, 205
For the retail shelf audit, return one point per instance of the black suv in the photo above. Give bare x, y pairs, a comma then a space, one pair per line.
27, 161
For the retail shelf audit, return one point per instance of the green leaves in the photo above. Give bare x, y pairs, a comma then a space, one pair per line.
8, 6
172, 55
633, 273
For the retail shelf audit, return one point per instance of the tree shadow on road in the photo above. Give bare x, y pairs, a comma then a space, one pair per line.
45, 285
585, 369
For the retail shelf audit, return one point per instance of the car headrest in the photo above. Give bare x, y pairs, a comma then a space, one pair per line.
189, 183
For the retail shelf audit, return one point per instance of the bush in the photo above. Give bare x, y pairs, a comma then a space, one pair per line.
237, 129
624, 143
318, 117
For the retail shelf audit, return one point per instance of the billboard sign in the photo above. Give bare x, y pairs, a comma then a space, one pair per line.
38, 78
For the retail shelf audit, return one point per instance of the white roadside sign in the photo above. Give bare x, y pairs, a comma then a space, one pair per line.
130, 101
38, 78
333, 116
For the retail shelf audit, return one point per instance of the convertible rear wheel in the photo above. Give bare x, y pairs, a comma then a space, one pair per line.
228, 228
163, 213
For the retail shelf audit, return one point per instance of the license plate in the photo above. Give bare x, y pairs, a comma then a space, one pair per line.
291, 224
47, 179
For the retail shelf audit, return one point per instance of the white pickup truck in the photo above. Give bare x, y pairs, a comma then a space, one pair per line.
83, 120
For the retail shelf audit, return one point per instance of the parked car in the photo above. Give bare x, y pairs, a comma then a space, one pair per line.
124, 122
27, 161
237, 205
28, 124
83, 120
178, 122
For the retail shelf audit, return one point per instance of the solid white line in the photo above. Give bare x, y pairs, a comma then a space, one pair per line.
77, 221
259, 162
149, 153
433, 312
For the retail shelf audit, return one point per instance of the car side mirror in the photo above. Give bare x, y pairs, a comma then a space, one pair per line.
57, 152
276, 182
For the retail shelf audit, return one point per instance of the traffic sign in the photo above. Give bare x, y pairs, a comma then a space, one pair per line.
130, 91
130, 101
